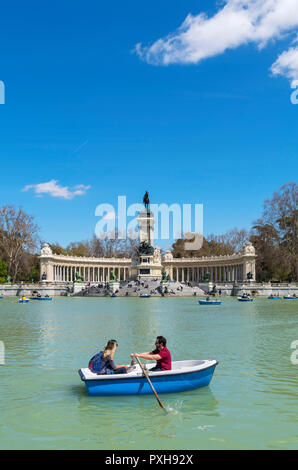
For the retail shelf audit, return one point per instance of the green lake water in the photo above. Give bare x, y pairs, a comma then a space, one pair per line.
251, 403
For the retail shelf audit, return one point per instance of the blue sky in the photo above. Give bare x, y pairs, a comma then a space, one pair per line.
84, 109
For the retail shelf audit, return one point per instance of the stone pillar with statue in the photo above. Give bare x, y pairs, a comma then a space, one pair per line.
46, 264
249, 263
146, 261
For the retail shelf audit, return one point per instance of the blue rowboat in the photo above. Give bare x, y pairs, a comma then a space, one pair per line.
244, 299
1, 296
21, 301
40, 298
288, 297
272, 297
184, 376
144, 296
210, 302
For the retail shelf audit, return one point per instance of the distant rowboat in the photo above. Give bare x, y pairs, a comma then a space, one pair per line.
210, 302
24, 301
288, 297
41, 298
245, 299
144, 296
273, 297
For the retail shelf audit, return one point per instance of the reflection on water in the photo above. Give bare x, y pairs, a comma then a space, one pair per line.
251, 402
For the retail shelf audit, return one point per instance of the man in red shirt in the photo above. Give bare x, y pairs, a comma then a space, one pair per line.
161, 354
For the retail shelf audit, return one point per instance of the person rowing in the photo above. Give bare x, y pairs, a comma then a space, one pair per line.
160, 354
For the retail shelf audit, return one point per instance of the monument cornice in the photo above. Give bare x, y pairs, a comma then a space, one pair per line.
207, 259
83, 259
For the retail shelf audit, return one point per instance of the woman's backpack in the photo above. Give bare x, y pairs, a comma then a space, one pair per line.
95, 363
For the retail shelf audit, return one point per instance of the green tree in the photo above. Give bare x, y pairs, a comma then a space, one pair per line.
18, 236
3, 271
275, 235
57, 249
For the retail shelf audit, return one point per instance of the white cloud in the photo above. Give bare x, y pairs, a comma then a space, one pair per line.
237, 23
287, 65
52, 188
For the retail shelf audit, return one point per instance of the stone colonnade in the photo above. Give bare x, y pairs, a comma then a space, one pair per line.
228, 273
233, 268
65, 273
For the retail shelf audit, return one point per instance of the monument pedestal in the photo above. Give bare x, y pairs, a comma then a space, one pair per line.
114, 286
146, 262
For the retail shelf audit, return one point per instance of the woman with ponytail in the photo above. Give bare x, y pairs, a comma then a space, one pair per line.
104, 363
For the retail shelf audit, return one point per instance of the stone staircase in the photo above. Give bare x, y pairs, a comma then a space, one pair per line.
151, 287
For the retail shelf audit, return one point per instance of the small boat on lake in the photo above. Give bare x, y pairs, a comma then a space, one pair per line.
113, 295
1, 296
184, 376
273, 297
41, 298
289, 297
210, 302
24, 301
245, 299
144, 296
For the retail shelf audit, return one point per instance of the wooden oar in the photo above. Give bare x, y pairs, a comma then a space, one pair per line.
145, 372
